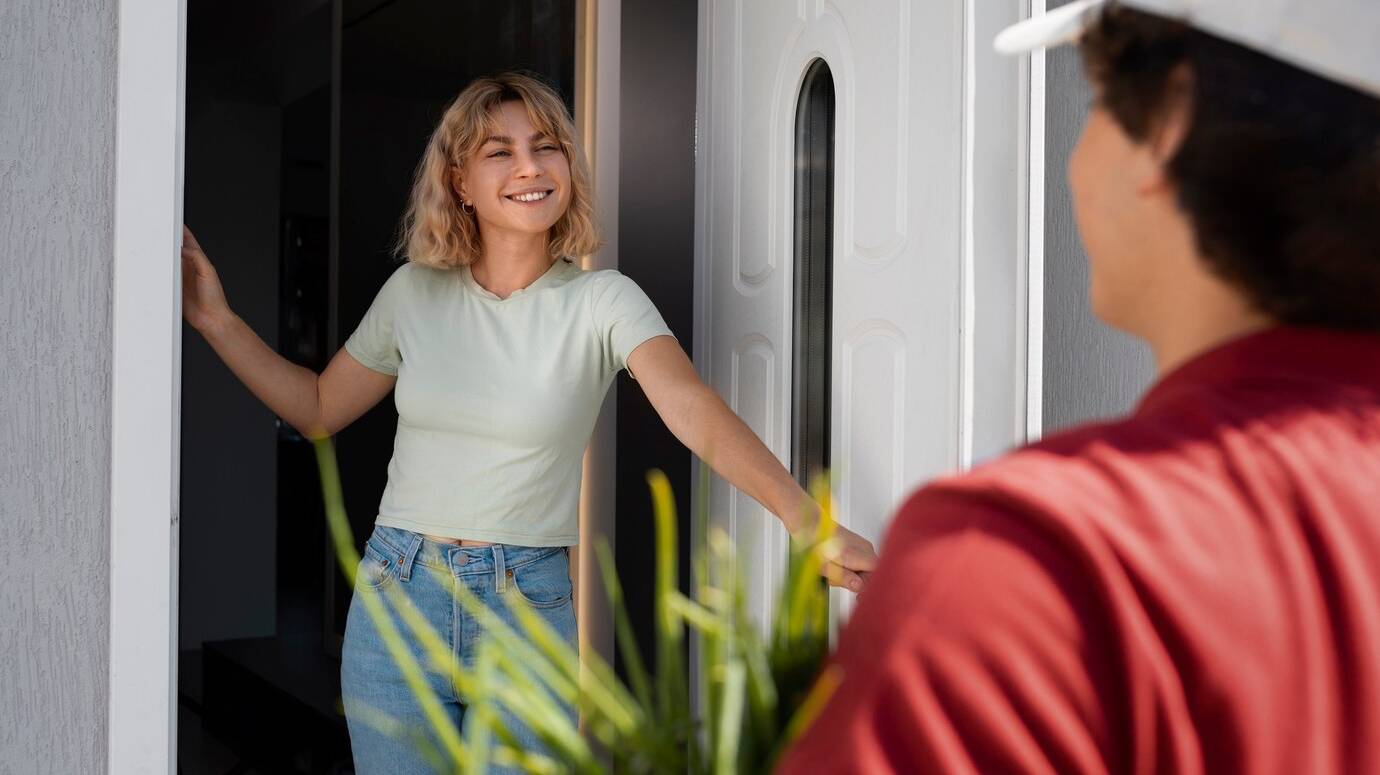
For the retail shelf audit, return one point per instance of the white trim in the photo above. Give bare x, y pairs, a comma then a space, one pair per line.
701, 305
1035, 243
145, 390
967, 325
1003, 243
702, 297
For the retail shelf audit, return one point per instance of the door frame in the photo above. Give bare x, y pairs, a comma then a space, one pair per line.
141, 720
146, 386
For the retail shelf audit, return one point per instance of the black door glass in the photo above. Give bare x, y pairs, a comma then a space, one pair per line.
814, 269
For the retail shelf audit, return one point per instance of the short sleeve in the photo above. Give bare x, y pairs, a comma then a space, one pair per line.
374, 342
623, 318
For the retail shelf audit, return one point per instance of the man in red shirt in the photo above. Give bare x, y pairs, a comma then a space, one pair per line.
1194, 588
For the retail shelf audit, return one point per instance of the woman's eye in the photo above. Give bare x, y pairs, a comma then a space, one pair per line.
548, 148
497, 154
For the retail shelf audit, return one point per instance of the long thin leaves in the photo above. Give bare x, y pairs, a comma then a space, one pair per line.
412, 674
756, 693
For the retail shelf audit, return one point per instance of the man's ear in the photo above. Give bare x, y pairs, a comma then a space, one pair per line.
1173, 124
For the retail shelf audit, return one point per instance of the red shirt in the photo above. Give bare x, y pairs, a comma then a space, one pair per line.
1195, 588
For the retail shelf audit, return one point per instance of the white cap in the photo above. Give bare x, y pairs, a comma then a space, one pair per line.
1337, 39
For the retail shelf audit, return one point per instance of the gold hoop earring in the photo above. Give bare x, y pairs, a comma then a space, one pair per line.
467, 208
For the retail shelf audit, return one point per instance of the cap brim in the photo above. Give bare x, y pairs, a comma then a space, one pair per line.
1063, 25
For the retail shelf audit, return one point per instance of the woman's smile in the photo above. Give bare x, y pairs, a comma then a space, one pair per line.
530, 196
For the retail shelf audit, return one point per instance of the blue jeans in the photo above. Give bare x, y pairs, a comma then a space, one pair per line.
428, 573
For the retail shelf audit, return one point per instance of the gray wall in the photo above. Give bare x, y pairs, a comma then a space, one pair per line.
57, 140
1091, 371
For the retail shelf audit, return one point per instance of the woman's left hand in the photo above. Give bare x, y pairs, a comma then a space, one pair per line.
849, 558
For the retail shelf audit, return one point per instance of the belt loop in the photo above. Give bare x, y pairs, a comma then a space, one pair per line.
406, 561
500, 570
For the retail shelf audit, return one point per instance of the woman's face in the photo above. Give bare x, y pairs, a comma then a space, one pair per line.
518, 180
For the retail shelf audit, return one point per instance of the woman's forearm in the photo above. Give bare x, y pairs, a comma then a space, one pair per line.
710, 429
288, 390
701, 420
704, 423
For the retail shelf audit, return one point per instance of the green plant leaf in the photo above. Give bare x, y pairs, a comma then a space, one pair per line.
671, 684
730, 719
407, 665
627, 641
761, 687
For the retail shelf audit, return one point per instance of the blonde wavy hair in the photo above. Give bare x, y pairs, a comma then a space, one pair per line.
436, 231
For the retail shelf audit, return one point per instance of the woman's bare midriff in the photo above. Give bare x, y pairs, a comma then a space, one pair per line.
458, 541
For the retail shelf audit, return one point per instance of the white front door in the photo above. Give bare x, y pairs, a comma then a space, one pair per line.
908, 270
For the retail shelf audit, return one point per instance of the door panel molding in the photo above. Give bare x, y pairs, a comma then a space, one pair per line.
932, 240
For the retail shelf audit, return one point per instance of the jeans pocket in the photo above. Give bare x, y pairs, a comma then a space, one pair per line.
375, 568
544, 583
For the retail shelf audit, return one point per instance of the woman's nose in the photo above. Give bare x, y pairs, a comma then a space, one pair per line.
527, 165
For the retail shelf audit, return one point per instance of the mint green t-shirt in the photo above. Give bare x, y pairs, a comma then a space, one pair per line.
497, 397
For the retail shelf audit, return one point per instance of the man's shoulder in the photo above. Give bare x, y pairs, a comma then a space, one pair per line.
1073, 487
1082, 460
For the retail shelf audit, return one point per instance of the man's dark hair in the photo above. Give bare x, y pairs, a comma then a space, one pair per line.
1279, 173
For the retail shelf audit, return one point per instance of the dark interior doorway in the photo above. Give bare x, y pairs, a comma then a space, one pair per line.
304, 122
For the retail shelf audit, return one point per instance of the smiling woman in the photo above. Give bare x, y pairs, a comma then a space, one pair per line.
504, 137
501, 349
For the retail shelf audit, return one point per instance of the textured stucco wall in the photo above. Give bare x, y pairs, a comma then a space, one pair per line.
57, 140
1090, 371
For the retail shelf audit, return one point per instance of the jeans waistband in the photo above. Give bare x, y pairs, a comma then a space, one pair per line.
410, 548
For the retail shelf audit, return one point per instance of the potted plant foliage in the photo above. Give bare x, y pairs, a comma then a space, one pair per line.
756, 689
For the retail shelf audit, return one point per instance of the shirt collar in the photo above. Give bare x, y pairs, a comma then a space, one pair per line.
557, 268
1283, 353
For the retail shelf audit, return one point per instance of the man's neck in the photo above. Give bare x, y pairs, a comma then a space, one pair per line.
1207, 315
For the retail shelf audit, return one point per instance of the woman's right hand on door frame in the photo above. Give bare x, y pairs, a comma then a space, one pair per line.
203, 297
